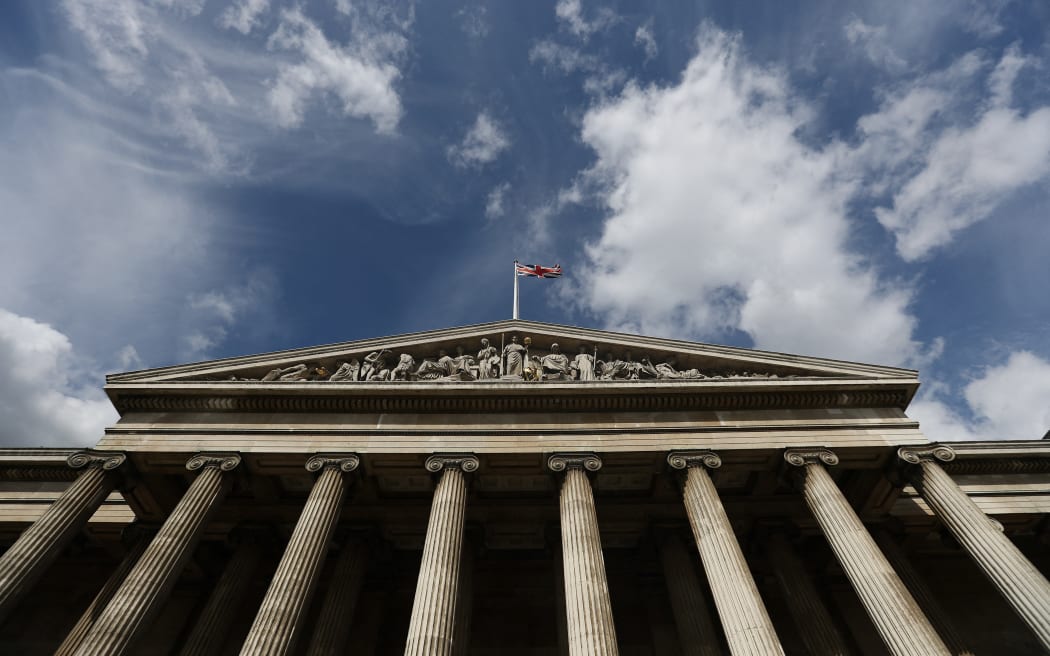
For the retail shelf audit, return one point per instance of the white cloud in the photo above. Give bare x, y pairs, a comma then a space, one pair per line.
599, 78
244, 15
116, 34
644, 38
483, 143
570, 16
473, 20
1007, 401
494, 202
946, 176
721, 219
45, 396
872, 40
361, 74
213, 313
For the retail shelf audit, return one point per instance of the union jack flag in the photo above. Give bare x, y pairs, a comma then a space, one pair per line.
538, 271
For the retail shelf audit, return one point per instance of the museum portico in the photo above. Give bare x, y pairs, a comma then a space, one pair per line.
523, 488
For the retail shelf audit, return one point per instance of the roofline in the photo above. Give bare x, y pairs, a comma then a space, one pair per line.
503, 325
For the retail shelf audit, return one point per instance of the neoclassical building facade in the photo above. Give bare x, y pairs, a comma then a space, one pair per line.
523, 488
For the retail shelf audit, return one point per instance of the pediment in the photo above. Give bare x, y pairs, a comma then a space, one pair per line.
516, 352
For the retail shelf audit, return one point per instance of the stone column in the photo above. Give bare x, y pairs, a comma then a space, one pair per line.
136, 538
898, 619
337, 609
40, 544
280, 617
1023, 586
588, 608
697, 633
745, 621
213, 622
149, 582
923, 595
811, 616
431, 631
465, 605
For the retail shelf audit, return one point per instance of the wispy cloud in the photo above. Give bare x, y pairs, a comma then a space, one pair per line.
482, 144
244, 15
361, 75
643, 37
570, 16
494, 202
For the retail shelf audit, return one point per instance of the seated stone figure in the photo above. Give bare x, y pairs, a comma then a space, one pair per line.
555, 365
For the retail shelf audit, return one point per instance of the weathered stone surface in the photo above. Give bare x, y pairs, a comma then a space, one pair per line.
589, 619
151, 579
746, 624
899, 620
279, 621
1022, 585
38, 546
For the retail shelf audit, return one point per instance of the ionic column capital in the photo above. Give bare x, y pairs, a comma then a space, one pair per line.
345, 462
914, 455
803, 457
562, 462
465, 462
687, 459
223, 461
107, 460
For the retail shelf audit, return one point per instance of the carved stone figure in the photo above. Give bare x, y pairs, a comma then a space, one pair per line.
514, 353
464, 363
667, 370
294, 372
375, 366
533, 370
582, 366
430, 369
346, 371
488, 361
646, 368
403, 368
555, 365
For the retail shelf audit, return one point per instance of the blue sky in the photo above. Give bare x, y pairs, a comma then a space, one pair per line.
189, 179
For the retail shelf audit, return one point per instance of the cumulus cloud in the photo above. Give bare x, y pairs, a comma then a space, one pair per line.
244, 15
1007, 401
721, 219
46, 396
361, 74
483, 143
946, 176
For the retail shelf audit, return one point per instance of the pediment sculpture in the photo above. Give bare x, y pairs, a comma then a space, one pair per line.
517, 361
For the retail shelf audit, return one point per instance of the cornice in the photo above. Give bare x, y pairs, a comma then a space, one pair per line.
508, 398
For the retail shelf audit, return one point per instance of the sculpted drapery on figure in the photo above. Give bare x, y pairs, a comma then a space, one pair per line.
488, 361
555, 364
514, 354
583, 365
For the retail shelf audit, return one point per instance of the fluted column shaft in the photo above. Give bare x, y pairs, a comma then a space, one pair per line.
137, 545
692, 615
815, 624
898, 619
745, 621
431, 630
38, 546
280, 618
213, 622
337, 610
588, 607
465, 604
920, 589
1017, 579
149, 582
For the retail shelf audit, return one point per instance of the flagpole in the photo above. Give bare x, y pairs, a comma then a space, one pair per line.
515, 289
